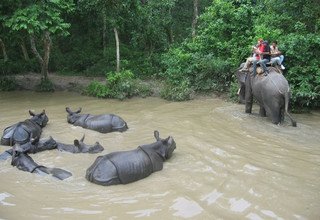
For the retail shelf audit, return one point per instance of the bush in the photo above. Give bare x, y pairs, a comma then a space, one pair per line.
177, 93
97, 89
45, 86
7, 84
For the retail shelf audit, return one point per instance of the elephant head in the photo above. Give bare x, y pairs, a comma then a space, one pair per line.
241, 78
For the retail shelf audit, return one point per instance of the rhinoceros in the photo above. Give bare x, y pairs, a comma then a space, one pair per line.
23, 132
124, 167
104, 123
25, 163
31, 146
80, 147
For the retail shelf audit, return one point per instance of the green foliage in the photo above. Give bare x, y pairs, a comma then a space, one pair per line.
97, 89
233, 90
7, 84
18, 66
120, 84
45, 86
39, 17
180, 92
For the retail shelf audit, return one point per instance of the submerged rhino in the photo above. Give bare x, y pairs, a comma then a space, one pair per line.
31, 146
124, 167
104, 123
80, 147
23, 132
25, 163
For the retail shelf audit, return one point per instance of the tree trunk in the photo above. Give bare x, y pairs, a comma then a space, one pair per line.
24, 50
195, 17
35, 51
4, 52
47, 48
118, 49
45, 60
104, 33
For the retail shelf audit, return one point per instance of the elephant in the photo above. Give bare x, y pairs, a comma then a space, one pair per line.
104, 123
23, 132
80, 147
32, 147
124, 167
272, 92
25, 163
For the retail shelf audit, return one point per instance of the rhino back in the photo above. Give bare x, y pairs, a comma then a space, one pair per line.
103, 172
101, 123
131, 165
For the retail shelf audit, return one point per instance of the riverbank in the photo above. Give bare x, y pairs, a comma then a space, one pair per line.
29, 81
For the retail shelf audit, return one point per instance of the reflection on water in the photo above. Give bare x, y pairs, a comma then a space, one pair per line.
227, 165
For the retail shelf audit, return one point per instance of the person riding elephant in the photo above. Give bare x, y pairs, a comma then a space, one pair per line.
124, 167
22, 132
272, 93
104, 123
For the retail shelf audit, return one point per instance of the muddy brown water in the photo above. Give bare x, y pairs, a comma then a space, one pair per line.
227, 165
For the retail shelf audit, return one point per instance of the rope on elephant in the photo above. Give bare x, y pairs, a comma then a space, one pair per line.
275, 84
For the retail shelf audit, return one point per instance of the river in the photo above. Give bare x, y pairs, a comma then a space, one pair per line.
227, 164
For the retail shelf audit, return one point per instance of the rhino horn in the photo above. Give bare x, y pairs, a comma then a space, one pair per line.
82, 139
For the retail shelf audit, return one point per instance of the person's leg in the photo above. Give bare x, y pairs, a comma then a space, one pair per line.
273, 61
248, 61
281, 57
255, 67
264, 66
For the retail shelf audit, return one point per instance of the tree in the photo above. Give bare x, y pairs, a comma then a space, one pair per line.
195, 17
41, 20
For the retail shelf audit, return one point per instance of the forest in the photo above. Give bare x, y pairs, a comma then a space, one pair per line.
193, 46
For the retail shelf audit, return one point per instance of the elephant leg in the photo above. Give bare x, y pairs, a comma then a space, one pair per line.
262, 112
275, 115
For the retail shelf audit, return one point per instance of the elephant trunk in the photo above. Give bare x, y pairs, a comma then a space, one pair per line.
248, 94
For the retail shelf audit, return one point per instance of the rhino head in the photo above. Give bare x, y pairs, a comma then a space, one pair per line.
96, 148
73, 116
40, 119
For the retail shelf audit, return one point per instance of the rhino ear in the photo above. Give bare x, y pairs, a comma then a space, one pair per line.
76, 143
69, 111
156, 135
79, 110
31, 113
43, 112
